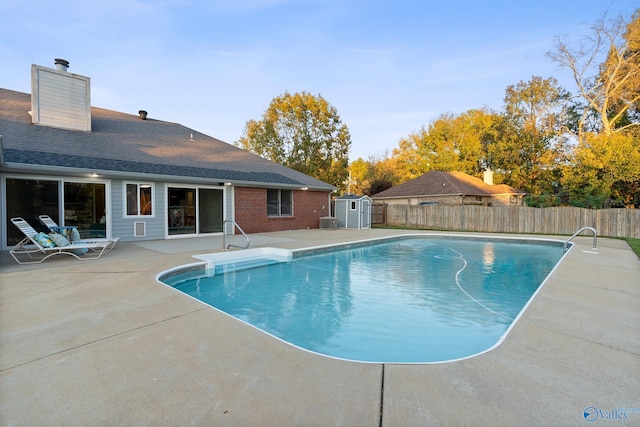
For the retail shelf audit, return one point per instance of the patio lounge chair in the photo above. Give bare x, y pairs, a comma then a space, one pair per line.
37, 248
52, 226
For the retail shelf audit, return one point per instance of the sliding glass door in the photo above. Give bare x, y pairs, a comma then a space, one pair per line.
84, 207
194, 210
30, 198
82, 204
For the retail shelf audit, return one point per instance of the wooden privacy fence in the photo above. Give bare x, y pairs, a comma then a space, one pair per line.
516, 219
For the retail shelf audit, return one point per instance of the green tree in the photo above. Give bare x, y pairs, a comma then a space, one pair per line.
528, 150
303, 132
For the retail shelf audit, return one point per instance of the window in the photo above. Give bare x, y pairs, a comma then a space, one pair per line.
353, 206
279, 203
139, 199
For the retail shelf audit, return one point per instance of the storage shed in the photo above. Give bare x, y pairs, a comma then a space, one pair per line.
353, 211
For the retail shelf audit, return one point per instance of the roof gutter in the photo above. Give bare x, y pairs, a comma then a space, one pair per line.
110, 174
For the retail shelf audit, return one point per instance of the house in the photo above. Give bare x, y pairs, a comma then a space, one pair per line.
353, 212
451, 188
116, 174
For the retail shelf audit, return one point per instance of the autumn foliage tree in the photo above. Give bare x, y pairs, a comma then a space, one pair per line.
606, 70
303, 132
581, 147
451, 142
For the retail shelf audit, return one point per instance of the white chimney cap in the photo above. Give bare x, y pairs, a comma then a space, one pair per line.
61, 64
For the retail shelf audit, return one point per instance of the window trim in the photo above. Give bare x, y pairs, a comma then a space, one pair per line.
125, 199
279, 203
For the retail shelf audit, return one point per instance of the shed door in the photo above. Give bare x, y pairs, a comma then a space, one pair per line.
365, 220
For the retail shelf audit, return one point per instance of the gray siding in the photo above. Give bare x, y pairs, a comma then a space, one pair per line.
229, 209
341, 214
124, 227
346, 217
351, 218
352, 215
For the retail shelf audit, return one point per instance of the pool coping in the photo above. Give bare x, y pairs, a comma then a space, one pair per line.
139, 354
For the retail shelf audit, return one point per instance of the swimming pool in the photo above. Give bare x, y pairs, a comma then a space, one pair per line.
409, 299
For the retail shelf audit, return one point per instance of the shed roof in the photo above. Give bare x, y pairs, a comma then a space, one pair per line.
123, 144
439, 183
352, 197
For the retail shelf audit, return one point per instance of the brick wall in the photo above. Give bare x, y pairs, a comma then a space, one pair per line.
251, 210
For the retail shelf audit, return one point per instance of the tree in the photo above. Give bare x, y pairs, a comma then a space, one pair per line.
601, 165
382, 174
303, 132
528, 150
606, 71
357, 181
605, 160
450, 143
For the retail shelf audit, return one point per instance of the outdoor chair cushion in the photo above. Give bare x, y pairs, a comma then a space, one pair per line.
75, 234
59, 239
44, 240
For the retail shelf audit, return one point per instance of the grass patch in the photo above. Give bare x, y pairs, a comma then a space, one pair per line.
635, 245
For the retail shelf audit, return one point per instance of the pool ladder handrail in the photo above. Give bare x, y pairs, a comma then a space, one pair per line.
235, 224
595, 237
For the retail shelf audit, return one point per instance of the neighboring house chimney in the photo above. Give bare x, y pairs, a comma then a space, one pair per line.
60, 99
488, 177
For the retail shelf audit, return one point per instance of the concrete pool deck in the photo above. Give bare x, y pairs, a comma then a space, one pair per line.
102, 343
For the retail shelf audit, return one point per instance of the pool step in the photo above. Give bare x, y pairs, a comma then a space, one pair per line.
245, 264
248, 258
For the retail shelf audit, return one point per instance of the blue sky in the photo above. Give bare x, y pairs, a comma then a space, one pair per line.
389, 67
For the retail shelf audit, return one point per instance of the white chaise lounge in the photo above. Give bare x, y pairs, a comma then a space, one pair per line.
54, 227
35, 247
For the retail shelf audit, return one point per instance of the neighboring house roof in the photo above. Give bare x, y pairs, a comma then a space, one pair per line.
123, 145
438, 183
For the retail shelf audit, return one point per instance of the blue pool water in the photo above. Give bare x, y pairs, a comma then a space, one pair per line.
405, 300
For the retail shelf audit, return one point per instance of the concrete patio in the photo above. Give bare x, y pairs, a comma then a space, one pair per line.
102, 343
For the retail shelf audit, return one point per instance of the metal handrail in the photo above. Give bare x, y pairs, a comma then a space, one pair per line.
595, 237
224, 234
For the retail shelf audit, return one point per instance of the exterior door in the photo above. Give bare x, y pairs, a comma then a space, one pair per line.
84, 207
194, 210
210, 213
365, 221
82, 204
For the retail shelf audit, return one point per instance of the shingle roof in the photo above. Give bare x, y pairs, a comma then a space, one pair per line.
438, 183
122, 143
